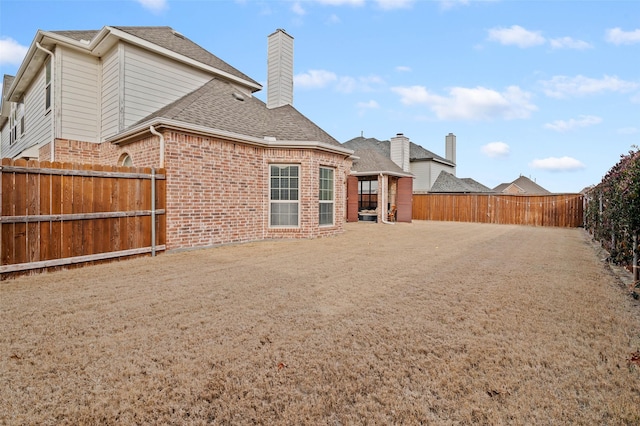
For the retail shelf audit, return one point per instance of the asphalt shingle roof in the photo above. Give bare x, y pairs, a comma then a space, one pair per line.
167, 38
216, 105
447, 182
525, 184
416, 152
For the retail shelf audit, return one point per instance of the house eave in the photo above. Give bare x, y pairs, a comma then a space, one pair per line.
380, 172
143, 130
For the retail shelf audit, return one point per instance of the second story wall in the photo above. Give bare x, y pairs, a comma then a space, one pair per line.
152, 81
79, 93
111, 93
37, 120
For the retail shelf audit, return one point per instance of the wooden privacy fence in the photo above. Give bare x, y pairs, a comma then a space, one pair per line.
57, 214
563, 210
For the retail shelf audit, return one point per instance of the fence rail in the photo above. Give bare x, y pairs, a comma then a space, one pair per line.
561, 210
56, 214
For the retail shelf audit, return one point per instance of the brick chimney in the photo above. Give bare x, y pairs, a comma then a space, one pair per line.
279, 69
399, 147
450, 149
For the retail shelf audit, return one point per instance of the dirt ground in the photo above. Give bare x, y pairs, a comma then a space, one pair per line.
423, 323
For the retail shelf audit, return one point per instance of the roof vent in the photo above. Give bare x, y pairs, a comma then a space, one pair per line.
237, 96
177, 34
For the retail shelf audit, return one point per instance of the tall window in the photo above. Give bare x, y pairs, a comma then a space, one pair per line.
16, 122
326, 196
284, 188
368, 194
47, 88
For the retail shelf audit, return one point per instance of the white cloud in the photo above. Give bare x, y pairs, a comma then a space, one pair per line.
449, 4
562, 86
368, 105
557, 164
360, 84
566, 125
314, 79
11, 52
395, 4
496, 150
569, 43
298, 9
154, 5
516, 35
618, 36
341, 2
333, 19
402, 68
477, 103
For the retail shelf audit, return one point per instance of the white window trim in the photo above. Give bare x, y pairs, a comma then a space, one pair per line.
333, 199
285, 201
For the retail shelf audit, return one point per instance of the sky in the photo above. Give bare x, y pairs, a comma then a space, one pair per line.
549, 90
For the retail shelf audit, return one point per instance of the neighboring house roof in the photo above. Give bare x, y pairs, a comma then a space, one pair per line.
447, 182
167, 38
522, 185
371, 161
372, 157
221, 106
416, 152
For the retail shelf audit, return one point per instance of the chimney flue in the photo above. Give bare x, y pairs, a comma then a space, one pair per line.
279, 69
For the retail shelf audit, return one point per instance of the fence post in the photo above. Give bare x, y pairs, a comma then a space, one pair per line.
153, 212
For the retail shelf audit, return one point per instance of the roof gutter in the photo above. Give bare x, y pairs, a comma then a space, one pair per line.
143, 129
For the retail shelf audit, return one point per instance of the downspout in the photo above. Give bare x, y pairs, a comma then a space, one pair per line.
53, 103
158, 134
383, 193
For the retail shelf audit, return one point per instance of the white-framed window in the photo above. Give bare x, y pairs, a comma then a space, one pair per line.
47, 87
284, 195
125, 160
326, 196
16, 122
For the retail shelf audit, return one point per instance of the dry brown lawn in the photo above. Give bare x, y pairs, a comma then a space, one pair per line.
423, 323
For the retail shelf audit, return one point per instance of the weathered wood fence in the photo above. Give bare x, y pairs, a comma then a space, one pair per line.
57, 214
562, 210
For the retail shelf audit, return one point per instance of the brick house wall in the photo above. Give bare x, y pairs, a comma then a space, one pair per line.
218, 190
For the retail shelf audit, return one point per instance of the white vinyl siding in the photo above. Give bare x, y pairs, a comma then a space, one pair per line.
80, 96
37, 121
110, 94
426, 173
152, 82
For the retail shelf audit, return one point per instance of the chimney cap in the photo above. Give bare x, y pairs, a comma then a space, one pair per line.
399, 134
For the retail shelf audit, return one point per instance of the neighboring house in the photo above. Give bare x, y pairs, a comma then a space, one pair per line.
377, 188
423, 164
448, 183
237, 169
522, 185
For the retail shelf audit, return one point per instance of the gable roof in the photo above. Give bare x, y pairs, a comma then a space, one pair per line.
162, 40
447, 182
416, 152
522, 185
169, 39
220, 106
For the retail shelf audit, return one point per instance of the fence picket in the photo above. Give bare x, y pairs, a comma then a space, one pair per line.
562, 210
111, 214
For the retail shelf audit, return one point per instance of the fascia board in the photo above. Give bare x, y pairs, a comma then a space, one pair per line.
181, 58
134, 133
